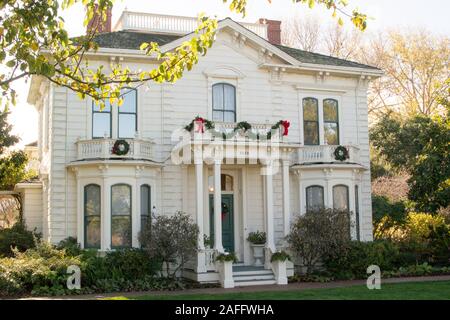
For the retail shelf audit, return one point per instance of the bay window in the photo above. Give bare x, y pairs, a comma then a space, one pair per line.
146, 205
340, 197
314, 198
92, 216
120, 216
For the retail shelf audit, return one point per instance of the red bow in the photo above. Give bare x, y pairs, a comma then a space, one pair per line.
200, 124
286, 124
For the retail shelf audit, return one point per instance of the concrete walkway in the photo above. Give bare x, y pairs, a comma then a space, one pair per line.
289, 287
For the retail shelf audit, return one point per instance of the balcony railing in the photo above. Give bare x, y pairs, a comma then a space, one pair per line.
325, 154
102, 149
177, 25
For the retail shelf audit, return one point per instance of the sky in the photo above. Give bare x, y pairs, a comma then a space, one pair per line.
431, 15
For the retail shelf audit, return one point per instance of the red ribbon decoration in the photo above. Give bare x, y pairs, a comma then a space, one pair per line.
286, 124
200, 122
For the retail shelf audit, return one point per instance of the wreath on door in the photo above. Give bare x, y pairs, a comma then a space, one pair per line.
341, 153
120, 148
224, 211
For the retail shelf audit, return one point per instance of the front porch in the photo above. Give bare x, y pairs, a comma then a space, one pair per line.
249, 182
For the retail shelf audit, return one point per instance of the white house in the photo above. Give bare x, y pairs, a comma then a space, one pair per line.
88, 191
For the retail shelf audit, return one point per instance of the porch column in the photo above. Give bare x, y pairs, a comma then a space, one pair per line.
199, 197
217, 207
286, 197
270, 244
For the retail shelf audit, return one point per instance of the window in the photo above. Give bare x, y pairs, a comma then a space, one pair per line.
101, 121
224, 102
310, 121
146, 205
120, 216
127, 126
92, 216
314, 198
340, 197
226, 183
357, 212
330, 121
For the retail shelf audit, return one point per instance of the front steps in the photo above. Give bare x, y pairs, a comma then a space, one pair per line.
252, 276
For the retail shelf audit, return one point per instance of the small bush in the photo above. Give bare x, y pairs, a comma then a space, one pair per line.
280, 256
71, 246
229, 256
16, 237
319, 234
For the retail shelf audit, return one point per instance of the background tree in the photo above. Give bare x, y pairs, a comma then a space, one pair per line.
34, 41
302, 33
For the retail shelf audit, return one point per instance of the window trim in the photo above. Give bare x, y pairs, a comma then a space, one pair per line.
130, 215
85, 243
306, 195
348, 194
101, 112
317, 121
149, 214
336, 122
133, 113
223, 84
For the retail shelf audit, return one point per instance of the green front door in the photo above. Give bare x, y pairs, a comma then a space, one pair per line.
227, 215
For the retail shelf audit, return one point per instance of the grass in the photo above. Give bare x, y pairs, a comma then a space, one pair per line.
437, 290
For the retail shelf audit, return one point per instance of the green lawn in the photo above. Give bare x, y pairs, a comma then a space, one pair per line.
438, 290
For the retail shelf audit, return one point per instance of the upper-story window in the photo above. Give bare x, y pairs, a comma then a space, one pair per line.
311, 121
102, 120
330, 121
224, 102
127, 126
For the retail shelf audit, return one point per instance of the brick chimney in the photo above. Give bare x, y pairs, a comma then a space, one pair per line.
273, 30
97, 22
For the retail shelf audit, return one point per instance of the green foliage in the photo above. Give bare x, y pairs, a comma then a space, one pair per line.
71, 246
382, 206
420, 146
172, 240
17, 237
257, 237
318, 234
280, 256
228, 256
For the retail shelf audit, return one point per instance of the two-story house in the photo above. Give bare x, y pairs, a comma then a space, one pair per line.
97, 188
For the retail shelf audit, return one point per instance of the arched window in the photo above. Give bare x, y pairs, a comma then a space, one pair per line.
127, 118
92, 216
146, 205
120, 216
331, 121
310, 121
340, 197
224, 102
101, 121
314, 198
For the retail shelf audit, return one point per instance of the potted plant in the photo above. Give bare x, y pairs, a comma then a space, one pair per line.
225, 267
257, 241
278, 262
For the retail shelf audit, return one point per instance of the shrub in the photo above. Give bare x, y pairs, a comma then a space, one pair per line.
280, 256
16, 237
257, 237
71, 246
353, 260
382, 207
319, 234
172, 240
229, 256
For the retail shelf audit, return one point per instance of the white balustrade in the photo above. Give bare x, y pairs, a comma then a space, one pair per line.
325, 154
102, 149
170, 24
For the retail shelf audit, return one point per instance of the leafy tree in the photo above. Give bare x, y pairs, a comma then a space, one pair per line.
12, 164
34, 42
420, 146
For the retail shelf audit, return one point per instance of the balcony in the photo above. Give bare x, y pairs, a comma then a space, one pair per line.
176, 25
325, 154
140, 149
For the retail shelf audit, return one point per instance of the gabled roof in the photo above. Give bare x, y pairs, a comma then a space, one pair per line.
132, 40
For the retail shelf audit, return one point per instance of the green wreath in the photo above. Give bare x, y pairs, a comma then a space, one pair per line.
120, 148
341, 153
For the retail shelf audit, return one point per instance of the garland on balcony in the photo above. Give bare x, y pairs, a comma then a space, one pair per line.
203, 124
120, 148
341, 153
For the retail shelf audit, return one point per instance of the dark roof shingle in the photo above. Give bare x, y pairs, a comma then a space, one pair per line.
133, 40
